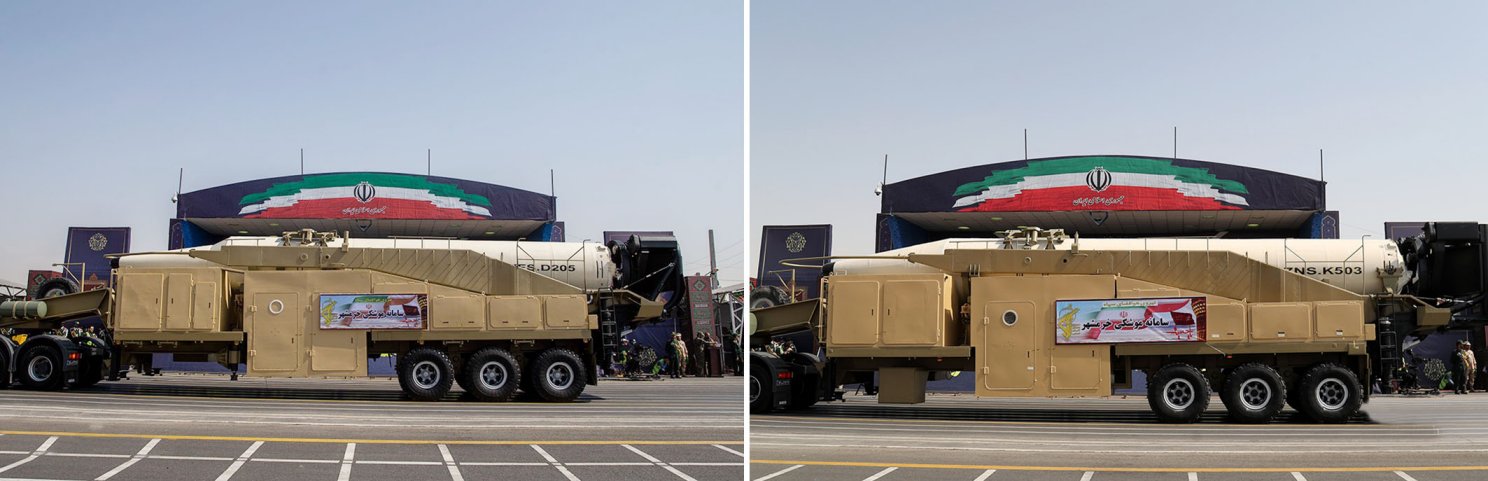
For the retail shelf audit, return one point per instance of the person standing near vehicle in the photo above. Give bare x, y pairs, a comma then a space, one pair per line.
1459, 369
1472, 365
675, 353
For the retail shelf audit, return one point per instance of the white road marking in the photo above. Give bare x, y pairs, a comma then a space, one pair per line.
449, 462
642, 453
706, 464
880, 474
399, 463
566, 473
1298, 476
293, 460
483, 463
346, 461
778, 473
545, 454
125, 465
191, 458
1087, 476
985, 474
1193, 476
726, 448
39, 451
1404, 476
242, 458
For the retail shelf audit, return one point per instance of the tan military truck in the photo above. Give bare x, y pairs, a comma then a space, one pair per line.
474, 313
1263, 322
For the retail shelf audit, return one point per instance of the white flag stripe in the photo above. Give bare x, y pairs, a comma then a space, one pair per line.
1125, 179
347, 191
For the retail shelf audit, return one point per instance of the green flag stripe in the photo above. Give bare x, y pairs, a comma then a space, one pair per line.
1190, 175
348, 180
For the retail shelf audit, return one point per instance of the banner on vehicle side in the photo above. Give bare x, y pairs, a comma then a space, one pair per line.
1113, 321
373, 311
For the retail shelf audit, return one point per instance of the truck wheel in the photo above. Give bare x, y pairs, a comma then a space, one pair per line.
57, 286
558, 375
761, 392
491, 374
41, 368
1329, 393
425, 374
1178, 393
1253, 393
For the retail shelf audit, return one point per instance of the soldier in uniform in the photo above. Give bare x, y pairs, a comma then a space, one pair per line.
676, 355
1459, 369
1472, 365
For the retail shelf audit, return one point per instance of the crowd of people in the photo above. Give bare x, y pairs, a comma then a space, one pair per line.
682, 358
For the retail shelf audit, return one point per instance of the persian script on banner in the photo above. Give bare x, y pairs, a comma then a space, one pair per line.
1111, 321
373, 311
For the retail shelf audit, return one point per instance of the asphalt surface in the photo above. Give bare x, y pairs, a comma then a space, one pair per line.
958, 437
189, 427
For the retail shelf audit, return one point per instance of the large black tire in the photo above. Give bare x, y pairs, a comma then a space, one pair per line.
491, 374
558, 375
1178, 393
425, 374
5, 379
1329, 393
57, 286
40, 367
768, 296
1253, 393
761, 392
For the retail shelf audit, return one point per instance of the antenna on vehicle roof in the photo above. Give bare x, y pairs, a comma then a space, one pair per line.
879, 190
180, 177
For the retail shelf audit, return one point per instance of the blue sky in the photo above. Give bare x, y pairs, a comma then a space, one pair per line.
1394, 93
637, 105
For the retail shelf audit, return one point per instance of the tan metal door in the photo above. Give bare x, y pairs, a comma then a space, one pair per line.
854, 312
1010, 341
275, 328
912, 313
178, 302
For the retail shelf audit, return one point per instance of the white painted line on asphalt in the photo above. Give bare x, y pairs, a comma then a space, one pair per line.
1087, 476
483, 463
880, 474
87, 455
1404, 476
545, 454
678, 472
292, 460
399, 463
706, 464
242, 458
449, 462
346, 459
1298, 476
125, 465
778, 473
726, 448
642, 453
191, 458
1193, 476
985, 474
567, 474
609, 464
39, 451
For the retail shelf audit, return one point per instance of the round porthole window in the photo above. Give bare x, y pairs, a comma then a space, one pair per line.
1009, 318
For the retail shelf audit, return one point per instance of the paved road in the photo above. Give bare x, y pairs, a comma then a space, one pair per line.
955, 437
188, 427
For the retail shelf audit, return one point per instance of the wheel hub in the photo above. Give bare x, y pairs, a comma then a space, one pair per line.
1178, 394
493, 375
1255, 394
560, 375
40, 368
425, 374
1332, 394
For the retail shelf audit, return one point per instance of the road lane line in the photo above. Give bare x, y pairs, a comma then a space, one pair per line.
485, 463
1318, 469
778, 473
449, 462
346, 461
545, 454
1087, 476
881, 474
705, 464
296, 460
238, 463
985, 474
1192, 476
720, 446
126, 464
642, 453
190, 458
399, 463
1298, 476
1404, 476
188, 437
36, 454
566, 473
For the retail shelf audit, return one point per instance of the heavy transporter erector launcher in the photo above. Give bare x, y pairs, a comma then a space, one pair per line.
490, 316
1264, 322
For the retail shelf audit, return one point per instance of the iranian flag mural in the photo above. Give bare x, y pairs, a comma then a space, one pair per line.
364, 196
1101, 183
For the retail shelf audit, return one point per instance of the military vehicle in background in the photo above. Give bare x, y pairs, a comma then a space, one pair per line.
1263, 322
491, 316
